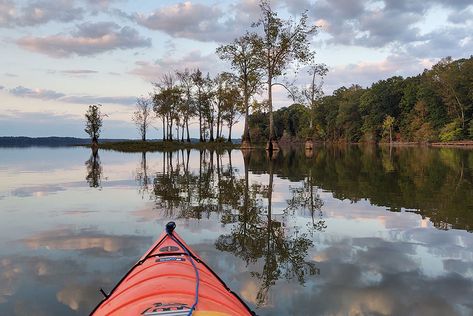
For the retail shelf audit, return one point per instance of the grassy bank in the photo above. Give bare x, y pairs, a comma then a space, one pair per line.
140, 146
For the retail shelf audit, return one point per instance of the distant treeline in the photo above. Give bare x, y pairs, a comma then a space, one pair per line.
53, 141
436, 105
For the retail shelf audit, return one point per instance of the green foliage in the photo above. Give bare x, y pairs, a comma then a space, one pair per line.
383, 98
292, 121
348, 118
435, 105
388, 124
470, 129
451, 132
242, 55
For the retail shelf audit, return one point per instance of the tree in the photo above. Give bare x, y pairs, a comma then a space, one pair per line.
232, 106
142, 116
282, 43
243, 59
454, 82
388, 124
166, 101
200, 99
220, 93
93, 124
313, 92
383, 98
187, 110
348, 119
446, 74
208, 102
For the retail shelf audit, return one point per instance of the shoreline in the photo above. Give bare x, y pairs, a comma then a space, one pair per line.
142, 146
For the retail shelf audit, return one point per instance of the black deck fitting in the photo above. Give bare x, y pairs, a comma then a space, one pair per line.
170, 227
103, 293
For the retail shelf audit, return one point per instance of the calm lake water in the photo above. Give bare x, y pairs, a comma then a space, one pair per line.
340, 231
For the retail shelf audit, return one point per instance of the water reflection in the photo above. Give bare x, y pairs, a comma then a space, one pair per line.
257, 236
142, 178
335, 231
88, 241
397, 178
217, 187
94, 170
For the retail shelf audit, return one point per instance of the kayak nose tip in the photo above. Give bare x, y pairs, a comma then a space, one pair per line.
170, 227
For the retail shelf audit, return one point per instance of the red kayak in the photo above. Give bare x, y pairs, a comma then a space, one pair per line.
170, 279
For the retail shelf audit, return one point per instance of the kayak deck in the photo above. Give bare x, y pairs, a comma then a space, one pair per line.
165, 281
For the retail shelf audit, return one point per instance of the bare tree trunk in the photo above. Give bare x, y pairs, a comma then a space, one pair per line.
164, 129
221, 127
200, 127
272, 143
187, 127
270, 105
246, 131
230, 131
218, 123
211, 122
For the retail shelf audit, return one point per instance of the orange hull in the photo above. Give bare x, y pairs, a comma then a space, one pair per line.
165, 282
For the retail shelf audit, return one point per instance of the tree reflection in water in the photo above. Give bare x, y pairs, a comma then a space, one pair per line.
435, 183
94, 170
306, 198
257, 235
217, 187
142, 178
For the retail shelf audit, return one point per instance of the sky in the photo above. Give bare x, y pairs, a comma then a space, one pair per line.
60, 56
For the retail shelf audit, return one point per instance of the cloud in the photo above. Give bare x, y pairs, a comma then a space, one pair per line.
201, 22
45, 94
89, 99
365, 73
451, 41
460, 17
38, 12
375, 277
152, 71
13, 269
42, 94
7, 13
79, 72
73, 72
379, 24
89, 241
88, 39
2, 87
100, 4
182, 20
36, 191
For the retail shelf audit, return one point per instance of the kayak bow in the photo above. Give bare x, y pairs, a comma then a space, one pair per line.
170, 279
